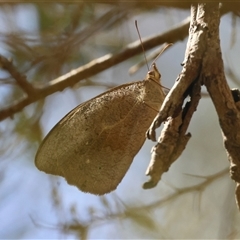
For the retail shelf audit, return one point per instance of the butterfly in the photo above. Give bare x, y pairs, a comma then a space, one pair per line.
93, 146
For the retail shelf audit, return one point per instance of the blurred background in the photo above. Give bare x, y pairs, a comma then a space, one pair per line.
195, 198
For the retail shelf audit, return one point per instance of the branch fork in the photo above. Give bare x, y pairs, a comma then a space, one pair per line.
203, 64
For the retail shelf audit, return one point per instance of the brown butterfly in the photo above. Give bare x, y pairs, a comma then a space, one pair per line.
94, 145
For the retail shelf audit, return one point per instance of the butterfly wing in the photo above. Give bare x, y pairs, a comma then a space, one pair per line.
94, 145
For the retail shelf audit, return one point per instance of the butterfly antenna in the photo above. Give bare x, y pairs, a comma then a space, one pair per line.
141, 43
162, 50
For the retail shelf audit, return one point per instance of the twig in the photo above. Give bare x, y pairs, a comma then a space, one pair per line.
124, 214
78, 226
96, 66
191, 70
20, 79
173, 139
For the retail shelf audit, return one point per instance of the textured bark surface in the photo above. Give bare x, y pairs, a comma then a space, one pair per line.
216, 84
203, 62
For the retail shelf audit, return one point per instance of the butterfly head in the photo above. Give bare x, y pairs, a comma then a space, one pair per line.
154, 74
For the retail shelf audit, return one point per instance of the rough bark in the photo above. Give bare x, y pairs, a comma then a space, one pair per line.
203, 62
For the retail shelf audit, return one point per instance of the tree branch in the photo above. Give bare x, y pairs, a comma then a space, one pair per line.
173, 139
203, 60
191, 71
219, 91
96, 66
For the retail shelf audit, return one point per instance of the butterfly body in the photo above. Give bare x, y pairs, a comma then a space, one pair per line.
94, 145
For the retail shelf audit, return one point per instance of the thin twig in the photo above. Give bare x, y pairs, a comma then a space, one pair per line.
96, 66
124, 213
20, 79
